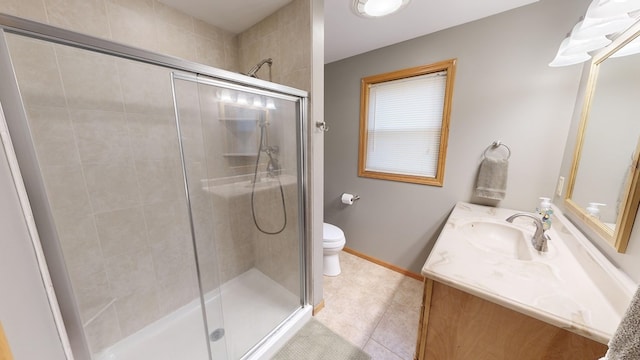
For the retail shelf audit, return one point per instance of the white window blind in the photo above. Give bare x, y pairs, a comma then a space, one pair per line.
404, 125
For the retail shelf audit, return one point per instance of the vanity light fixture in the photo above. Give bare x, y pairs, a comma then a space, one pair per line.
563, 59
603, 18
593, 27
577, 45
378, 8
609, 8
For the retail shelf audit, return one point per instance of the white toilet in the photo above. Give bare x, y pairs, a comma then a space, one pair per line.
333, 241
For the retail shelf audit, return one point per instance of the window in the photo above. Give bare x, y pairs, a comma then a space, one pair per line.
404, 124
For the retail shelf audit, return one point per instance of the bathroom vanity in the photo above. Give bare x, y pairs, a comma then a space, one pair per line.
488, 294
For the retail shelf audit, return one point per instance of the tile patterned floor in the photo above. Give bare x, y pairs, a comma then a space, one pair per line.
373, 307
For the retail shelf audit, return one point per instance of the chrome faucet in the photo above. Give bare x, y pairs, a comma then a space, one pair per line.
539, 239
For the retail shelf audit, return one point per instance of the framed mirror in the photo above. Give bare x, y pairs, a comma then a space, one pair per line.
603, 184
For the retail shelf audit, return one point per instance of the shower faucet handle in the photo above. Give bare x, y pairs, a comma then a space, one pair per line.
322, 126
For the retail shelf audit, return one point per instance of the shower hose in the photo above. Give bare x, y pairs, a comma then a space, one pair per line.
253, 190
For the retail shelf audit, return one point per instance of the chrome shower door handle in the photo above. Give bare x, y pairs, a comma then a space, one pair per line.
322, 126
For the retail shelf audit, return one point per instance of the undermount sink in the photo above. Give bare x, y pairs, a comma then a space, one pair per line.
497, 237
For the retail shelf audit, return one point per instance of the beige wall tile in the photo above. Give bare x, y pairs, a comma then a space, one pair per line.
80, 245
169, 15
232, 54
130, 272
160, 181
176, 291
167, 222
209, 31
131, 25
210, 52
176, 41
154, 137
139, 6
103, 331
66, 189
146, 88
53, 136
85, 16
37, 71
112, 186
172, 256
92, 293
29, 9
122, 231
137, 309
90, 80
102, 136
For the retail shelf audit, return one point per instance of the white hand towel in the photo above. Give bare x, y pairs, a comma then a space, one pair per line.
625, 343
492, 179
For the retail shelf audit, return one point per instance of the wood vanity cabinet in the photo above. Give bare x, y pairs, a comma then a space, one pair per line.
455, 325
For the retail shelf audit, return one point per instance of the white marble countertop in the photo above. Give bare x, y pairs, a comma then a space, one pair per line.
572, 286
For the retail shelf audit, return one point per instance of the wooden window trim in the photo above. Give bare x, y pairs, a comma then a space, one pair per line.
438, 180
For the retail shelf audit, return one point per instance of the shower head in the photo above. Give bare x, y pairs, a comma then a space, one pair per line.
252, 72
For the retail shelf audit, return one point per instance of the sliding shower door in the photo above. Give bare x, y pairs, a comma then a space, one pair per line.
169, 205
241, 149
99, 151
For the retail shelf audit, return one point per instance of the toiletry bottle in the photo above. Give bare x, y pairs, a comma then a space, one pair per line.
545, 211
593, 210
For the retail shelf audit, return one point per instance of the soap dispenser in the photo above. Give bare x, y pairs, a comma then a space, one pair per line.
545, 210
593, 210
545, 204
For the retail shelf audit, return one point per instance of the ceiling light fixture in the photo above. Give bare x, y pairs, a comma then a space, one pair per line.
378, 8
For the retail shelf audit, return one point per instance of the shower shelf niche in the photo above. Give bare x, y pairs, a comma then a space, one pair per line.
241, 136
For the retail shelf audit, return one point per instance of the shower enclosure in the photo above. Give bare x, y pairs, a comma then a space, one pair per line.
168, 196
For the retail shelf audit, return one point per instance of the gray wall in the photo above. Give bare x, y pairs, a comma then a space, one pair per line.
503, 90
24, 308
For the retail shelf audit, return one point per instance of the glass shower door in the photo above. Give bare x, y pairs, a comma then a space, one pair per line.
106, 155
242, 164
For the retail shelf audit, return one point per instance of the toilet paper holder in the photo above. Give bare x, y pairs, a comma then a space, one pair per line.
349, 199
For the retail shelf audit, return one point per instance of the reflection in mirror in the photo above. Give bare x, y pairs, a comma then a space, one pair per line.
602, 187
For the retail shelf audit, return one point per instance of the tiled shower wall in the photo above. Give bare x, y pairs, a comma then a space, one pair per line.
146, 24
285, 37
106, 142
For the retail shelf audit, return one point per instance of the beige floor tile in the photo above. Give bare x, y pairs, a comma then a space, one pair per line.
409, 292
398, 329
373, 307
379, 352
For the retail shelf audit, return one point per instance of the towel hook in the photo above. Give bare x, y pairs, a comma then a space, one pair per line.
496, 144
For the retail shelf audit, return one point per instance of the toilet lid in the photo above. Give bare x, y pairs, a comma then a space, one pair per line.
331, 233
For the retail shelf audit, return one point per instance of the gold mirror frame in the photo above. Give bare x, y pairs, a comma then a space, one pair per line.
618, 237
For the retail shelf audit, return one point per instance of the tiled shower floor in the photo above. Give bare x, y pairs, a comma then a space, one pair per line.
373, 307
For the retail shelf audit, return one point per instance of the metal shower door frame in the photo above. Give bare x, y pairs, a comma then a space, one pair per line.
71, 333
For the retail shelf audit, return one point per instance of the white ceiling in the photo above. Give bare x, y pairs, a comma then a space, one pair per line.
347, 34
